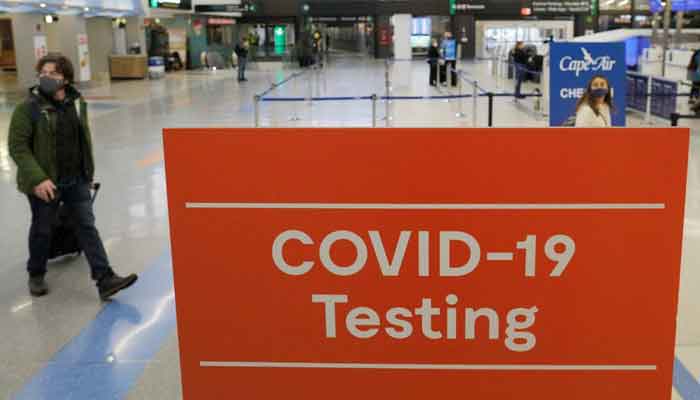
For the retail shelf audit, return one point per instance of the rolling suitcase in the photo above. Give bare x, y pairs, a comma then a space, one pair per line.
64, 239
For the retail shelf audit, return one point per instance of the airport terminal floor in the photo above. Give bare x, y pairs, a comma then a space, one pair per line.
69, 345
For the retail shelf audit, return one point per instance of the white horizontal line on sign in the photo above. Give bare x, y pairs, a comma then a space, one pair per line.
450, 367
499, 256
406, 206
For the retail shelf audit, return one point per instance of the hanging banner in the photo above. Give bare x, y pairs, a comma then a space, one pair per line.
40, 48
83, 58
420, 263
572, 67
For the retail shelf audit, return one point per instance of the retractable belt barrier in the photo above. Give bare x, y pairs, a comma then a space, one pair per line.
375, 98
676, 116
282, 82
477, 91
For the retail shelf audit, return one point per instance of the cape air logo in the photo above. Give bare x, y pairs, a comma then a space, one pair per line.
602, 63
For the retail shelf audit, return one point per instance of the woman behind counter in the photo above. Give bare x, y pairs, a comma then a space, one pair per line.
593, 109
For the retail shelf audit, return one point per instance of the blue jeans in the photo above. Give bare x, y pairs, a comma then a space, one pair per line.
242, 61
75, 195
520, 71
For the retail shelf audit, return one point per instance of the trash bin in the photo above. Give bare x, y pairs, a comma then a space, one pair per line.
156, 67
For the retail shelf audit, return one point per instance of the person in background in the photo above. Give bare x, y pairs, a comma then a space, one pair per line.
694, 76
241, 51
520, 65
448, 48
316, 49
433, 58
594, 107
50, 142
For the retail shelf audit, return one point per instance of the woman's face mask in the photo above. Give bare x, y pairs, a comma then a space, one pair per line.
599, 92
50, 86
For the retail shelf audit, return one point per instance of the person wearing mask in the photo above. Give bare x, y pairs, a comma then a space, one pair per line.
433, 59
448, 48
520, 64
594, 107
49, 140
241, 51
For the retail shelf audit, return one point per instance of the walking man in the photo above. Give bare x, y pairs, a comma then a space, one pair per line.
50, 142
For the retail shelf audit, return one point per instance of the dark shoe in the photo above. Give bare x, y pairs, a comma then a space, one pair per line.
112, 284
696, 108
244, 80
37, 286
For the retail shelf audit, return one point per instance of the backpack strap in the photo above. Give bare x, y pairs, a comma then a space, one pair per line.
34, 112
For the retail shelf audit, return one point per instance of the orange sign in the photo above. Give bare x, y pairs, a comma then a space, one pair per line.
426, 263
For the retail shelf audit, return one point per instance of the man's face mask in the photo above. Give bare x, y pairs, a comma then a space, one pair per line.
50, 86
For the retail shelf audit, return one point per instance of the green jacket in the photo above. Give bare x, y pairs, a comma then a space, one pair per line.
32, 140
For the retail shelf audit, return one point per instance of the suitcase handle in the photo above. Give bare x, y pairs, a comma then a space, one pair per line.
95, 188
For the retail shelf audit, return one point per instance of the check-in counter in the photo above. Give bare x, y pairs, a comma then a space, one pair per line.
128, 66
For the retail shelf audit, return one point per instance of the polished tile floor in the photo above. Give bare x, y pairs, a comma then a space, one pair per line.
60, 346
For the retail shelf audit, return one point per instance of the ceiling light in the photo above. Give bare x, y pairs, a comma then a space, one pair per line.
42, 5
86, 9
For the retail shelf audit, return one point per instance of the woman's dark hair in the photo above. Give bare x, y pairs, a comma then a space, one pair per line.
588, 99
63, 66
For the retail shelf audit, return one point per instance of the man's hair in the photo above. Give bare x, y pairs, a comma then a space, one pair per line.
63, 65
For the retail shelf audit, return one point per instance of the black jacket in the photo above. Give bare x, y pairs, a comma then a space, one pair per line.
241, 51
520, 56
433, 54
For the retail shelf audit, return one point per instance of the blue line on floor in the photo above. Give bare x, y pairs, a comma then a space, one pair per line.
684, 382
110, 354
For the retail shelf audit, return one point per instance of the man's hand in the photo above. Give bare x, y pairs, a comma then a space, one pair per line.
45, 191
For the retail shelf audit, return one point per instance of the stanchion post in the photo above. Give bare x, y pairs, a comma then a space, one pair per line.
475, 98
490, 95
311, 98
311, 91
295, 113
387, 117
387, 84
374, 111
674, 119
256, 107
647, 115
461, 113
387, 77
